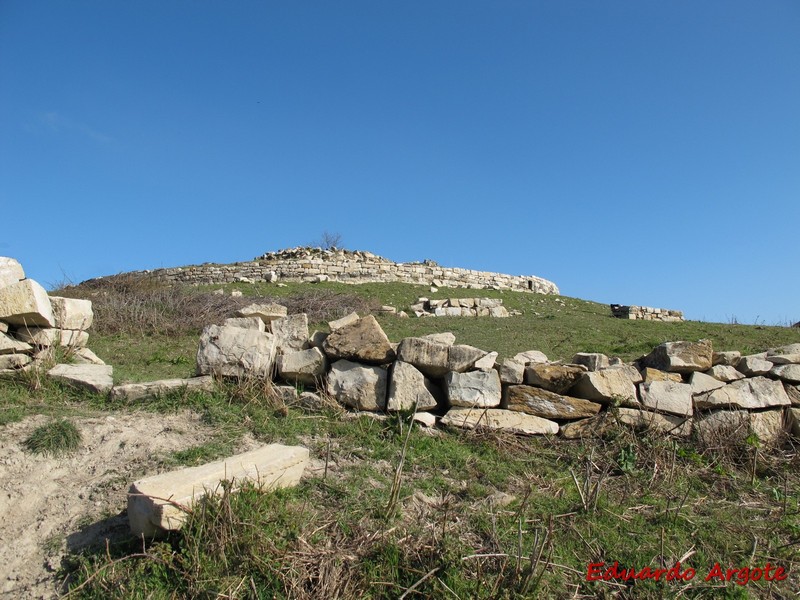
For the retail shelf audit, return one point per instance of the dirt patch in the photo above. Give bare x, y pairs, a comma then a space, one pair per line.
49, 506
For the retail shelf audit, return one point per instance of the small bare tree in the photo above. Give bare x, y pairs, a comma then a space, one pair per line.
328, 240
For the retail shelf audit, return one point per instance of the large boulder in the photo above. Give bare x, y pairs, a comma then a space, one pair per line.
306, 367
95, 378
291, 333
606, 387
235, 352
681, 357
409, 387
152, 390
430, 357
72, 313
473, 389
26, 303
498, 419
667, 396
554, 377
10, 271
358, 386
362, 340
266, 312
550, 405
752, 393
593, 361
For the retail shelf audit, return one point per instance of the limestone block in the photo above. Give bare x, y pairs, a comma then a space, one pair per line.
629, 371
531, 356
498, 312
72, 313
84, 356
793, 415
605, 387
13, 361
512, 371
665, 423
235, 352
246, 323
9, 345
667, 396
407, 387
158, 503
26, 303
45, 336
267, 312
10, 271
95, 378
722, 426
547, 404
473, 389
753, 366
430, 357
793, 393
425, 419
152, 390
767, 425
784, 359
346, 320
291, 333
724, 373
554, 377
362, 341
447, 338
681, 357
790, 373
358, 386
304, 366
462, 358
593, 361
702, 383
499, 419
728, 358
486, 362
752, 393
650, 374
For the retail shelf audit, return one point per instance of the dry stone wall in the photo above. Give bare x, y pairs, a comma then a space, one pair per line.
646, 313
315, 265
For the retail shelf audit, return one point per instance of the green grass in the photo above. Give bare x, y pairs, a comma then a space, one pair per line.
56, 438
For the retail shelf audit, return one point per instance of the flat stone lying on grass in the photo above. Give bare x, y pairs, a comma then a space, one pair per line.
84, 356
26, 303
152, 390
549, 405
95, 378
499, 419
157, 504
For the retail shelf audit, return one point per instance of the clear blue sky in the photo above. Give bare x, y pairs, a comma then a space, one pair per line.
637, 152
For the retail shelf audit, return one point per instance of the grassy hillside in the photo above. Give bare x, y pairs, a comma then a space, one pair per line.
394, 511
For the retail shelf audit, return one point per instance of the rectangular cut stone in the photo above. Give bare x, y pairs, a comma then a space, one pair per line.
41, 336
26, 303
499, 419
95, 378
72, 313
752, 393
667, 396
152, 390
157, 504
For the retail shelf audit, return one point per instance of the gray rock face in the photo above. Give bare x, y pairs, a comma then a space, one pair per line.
512, 371
235, 352
153, 501
362, 340
72, 313
246, 323
642, 419
667, 396
152, 390
26, 303
267, 312
9, 345
10, 271
499, 419
549, 405
304, 366
753, 366
473, 389
681, 357
605, 387
593, 361
408, 386
432, 358
462, 358
553, 377
291, 333
358, 386
702, 383
753, 393
790, 373
95, 378
724, 373
45, 336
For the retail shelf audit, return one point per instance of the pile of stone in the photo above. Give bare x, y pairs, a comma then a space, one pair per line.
328, 254
460, 307
33, 325
646, 313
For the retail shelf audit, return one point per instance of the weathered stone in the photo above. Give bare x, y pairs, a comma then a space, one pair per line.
531, 356
407, 387
3, 327
629, 371
267, 312
425, 419
553, 377
498, 419
473, 389
667, 396
462, 358
26, 303
790, 373
724, 373
95, 378
721, 427
512, 371
681, 357
728, 358
432, 358
593, 361
447, 338
793, 415
13, 361
160, 503
753, 365
316, 339
767, 425
487, 362
256, 323
152, 390
291, 333
702, 383
235, 352
41, 336
10, 271
752, 393
498, 312
643, 419
649, 375
547, 404
306, 367
362, 341
793, 393
783, 359
358, 386
346, 320
792, 349
9, 345
592, 427
72, 313
606, 386
84, 356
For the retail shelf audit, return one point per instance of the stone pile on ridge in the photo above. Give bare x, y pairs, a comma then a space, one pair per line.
460, 307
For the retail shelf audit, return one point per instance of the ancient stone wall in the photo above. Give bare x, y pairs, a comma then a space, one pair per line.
646, 313
314, 264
